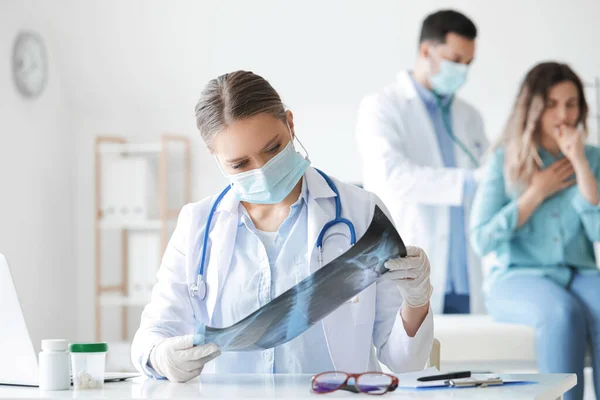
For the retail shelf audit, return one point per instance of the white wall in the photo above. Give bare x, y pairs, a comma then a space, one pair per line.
137, 68
37, 155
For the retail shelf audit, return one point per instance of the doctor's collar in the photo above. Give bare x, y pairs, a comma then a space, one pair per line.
303, 198
428, 96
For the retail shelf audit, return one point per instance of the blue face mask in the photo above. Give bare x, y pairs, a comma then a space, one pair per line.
271, 183
449, 78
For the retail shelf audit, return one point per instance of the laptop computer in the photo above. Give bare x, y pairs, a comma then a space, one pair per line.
18, 361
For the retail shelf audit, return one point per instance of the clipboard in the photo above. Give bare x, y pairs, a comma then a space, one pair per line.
408, 381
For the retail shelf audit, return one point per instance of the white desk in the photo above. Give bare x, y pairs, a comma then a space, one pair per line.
549, 387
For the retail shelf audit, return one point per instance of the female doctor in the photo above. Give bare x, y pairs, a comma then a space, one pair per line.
261, 241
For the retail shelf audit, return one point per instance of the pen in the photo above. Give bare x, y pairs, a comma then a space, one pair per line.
443, 377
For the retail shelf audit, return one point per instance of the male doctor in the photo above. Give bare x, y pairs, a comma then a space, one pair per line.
420, 146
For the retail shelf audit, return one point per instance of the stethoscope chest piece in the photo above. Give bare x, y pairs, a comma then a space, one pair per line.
199, 290
202, 290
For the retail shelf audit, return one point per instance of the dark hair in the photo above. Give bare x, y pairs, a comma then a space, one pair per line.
437, 25
232, 97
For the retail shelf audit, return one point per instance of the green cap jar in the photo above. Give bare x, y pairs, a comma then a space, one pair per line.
101, 347
88, 361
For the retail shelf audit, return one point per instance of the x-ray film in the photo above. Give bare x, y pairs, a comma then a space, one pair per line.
308, 302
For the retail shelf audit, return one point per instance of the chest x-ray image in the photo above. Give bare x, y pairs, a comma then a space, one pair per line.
308, 302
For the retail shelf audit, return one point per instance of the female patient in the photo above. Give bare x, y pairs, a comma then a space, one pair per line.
537, 209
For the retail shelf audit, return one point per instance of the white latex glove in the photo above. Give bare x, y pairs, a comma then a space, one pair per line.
411, 274
178, 360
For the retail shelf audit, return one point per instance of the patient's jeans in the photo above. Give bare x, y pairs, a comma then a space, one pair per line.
565, 320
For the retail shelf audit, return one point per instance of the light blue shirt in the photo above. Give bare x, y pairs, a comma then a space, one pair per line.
560, 233
264, 265
458, 278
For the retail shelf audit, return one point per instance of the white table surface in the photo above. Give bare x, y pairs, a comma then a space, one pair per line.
548, 386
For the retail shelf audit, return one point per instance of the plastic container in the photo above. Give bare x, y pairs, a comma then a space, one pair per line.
87, 362
54, 365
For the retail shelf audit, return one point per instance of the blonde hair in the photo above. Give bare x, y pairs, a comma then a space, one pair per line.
232, 97
520, 137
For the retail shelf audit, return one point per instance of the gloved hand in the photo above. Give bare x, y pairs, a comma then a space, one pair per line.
178, 360
411, 274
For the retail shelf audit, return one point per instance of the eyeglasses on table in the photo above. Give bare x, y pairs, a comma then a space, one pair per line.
374, 383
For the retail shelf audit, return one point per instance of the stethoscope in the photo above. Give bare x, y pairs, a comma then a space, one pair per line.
199, 288
446, 120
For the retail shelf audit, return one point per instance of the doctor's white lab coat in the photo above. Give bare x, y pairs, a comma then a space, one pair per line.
358, 333
403, 165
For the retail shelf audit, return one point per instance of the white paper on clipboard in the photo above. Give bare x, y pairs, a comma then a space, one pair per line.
409, 380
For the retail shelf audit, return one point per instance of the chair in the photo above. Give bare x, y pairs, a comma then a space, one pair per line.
434, 356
